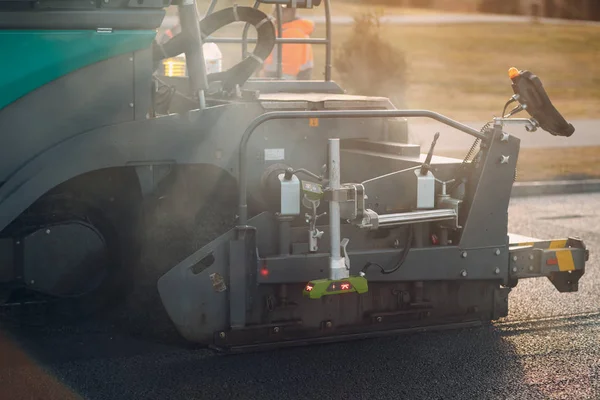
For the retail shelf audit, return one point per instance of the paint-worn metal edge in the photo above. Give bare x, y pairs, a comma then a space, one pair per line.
540, 188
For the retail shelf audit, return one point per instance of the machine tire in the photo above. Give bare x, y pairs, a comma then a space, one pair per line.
122, 249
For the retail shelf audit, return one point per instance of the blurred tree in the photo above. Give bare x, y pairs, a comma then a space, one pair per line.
369, 65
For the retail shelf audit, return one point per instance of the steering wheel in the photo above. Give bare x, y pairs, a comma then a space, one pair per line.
242, 71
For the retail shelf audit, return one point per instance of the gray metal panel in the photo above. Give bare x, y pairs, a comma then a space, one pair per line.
194, 304
209, 136
98, 95
422, 264
488, 198
142, 84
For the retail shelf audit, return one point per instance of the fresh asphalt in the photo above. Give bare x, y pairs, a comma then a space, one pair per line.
548, 348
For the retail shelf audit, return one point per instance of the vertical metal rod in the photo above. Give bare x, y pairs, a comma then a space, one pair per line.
285, 235
328, 35
279, 45
194, 55
245, 35
337, 267
211, 7
443, 236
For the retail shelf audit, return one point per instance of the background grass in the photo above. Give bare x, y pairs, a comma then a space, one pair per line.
461, 70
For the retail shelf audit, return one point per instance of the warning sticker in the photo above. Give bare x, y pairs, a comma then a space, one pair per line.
218, 282
274, 154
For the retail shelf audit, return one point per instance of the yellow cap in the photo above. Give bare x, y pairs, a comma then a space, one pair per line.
513, 73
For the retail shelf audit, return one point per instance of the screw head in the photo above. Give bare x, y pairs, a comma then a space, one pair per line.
328, 324
276, 329
497, 271
504, 137
515, 258
514, 269
531, 256
504, 159
47, 231
531, 267
497, 252
222, 335
464, 254
379, 319
463, 273
32, 282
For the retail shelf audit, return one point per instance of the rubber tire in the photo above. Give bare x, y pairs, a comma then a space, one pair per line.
119, 235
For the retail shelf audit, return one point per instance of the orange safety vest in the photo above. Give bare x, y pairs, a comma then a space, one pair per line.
296, 57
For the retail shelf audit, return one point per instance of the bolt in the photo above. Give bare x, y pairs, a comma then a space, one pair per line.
531, 256
463, 273
47, 231
276, 329
497, 271
379, 319
328, 324
515, 258
497, 252
464, 254
514, 269
222, 335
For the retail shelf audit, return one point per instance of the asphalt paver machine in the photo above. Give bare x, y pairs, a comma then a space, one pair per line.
342, 228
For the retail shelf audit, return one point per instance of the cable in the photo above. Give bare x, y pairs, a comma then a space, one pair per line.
405, 252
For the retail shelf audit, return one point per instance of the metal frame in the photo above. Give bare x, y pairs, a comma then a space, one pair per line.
243, 181
280, 41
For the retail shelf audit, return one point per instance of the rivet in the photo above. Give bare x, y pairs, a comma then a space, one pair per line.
531, 256
222, 335
515, 258
531, 267
32, 281
463, 273
131, 105
47, 231
276, 329
379, 319
514, 269
328, 324
497, 252
464, 254
497, 271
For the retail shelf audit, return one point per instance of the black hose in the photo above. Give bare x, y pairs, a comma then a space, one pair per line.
241, 72
403, 257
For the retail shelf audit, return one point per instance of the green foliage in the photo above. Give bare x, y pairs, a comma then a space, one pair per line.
368, 64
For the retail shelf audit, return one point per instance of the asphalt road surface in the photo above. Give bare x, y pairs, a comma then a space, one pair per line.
548, 348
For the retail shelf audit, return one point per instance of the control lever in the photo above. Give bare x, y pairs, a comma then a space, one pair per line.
426, 167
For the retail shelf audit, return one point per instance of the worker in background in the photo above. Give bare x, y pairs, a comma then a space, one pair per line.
297, 59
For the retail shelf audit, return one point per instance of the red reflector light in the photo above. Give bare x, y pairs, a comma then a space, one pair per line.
264, 272
345, 286
308, 288
551, 261
435, 240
